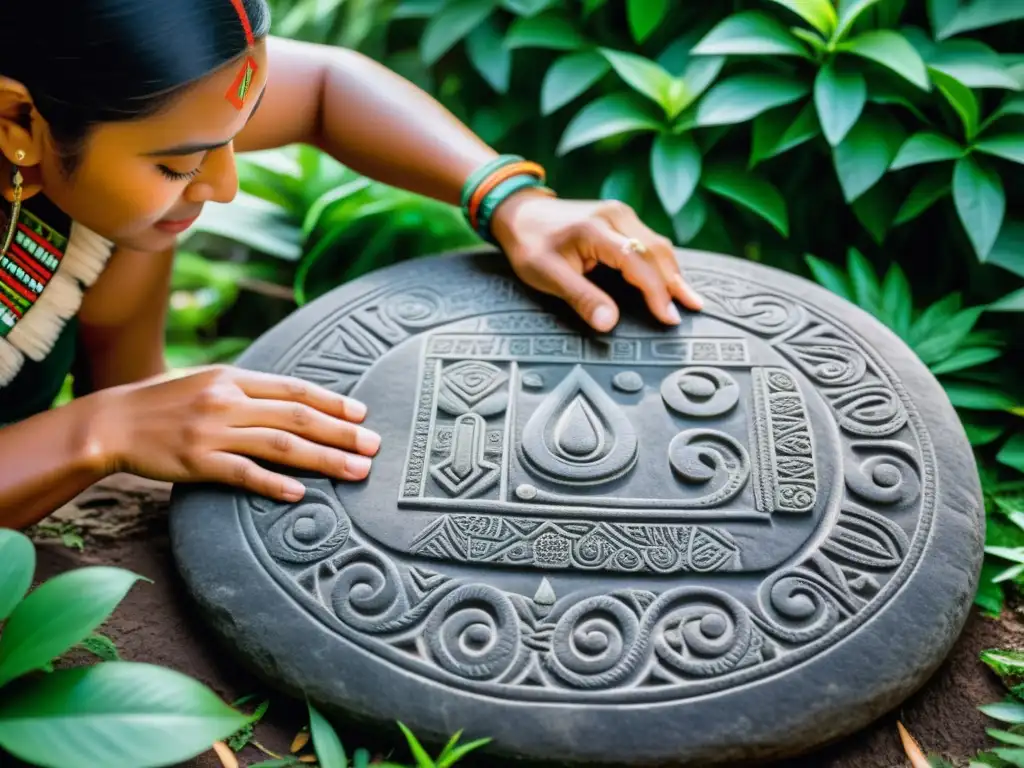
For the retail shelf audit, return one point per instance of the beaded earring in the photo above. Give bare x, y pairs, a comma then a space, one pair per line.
12, 225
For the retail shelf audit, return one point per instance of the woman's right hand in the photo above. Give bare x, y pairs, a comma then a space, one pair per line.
213, 425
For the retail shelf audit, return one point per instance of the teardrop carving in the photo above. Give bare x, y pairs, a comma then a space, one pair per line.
579, 435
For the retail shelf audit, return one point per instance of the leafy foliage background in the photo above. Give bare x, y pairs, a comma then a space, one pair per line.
875, 146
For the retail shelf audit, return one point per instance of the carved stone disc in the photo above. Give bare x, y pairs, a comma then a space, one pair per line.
738, 538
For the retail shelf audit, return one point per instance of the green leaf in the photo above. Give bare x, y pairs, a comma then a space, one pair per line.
935, 317
896, 301
945, 340
982, 434
119, 713
977, 15
863, 157
750, 33
892, 50
422, 758
1008, 146
925, 193
819, 46
690, 219
1011, 106
973, 63
977, 397
780, 130
925, 147
326, 744
971, 357
569, 77
59, 614
749, 191
867, 291
552, 31
876, 209
527, 7
849, 12
1006, 736
980, 203
1005, 711
1008, 252
1012, 302
487, 54
622, 184
460, 752
456, 20
743, 97
818, 13
17, 567
645, 77
1012, 455
608, 116
675, 169
961, 99
1007, 663
829, 276
101, 647
644, 16
840, 96
700, 72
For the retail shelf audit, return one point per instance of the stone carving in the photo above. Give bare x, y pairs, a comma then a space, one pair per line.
518, 541
583, 546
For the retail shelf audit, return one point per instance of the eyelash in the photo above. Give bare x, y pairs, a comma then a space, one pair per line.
176, 176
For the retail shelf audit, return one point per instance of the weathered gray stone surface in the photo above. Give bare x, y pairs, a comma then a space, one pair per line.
739, 538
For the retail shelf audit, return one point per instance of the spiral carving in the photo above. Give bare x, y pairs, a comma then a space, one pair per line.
701, 632
798, 608
312, 531
474, 632
596, 643
873, 410
889, 478
708, 457
368, 594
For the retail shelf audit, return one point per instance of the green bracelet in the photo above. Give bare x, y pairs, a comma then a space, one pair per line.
477, 177
499, 195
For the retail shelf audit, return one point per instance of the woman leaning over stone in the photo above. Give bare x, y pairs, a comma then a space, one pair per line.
119, 120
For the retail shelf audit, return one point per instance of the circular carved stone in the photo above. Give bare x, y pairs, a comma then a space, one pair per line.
737, 538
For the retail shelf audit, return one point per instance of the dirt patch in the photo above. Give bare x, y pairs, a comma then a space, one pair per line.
123, 523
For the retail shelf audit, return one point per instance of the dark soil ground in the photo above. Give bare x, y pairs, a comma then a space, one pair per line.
123, 521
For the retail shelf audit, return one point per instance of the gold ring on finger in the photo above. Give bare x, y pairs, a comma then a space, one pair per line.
634, 246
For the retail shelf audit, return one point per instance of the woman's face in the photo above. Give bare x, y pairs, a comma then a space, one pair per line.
141, 183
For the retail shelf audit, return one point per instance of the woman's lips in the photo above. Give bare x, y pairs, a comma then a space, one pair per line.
175, 226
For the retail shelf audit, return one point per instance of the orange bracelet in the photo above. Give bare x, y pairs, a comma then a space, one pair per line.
500, 175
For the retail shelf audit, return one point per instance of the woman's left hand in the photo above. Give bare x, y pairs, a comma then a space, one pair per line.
552, 244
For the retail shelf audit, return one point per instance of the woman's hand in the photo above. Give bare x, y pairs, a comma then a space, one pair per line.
211, 425
552, 244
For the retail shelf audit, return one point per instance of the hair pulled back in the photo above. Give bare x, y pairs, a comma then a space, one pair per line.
86, 62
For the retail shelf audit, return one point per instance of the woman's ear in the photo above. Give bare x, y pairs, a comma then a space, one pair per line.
20, 140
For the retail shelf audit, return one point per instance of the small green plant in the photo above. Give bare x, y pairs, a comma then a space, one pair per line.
119, 713
331, 754
1009, 665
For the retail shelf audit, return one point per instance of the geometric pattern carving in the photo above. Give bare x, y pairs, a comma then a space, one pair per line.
787, 479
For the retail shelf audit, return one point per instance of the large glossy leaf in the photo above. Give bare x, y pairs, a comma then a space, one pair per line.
926, 147
59, 614
253, 222
644, 16
569, 77
456, 20
329, 751
17, 567
646, 77
743, 97
896, 301
749, 191
751, 33
849, 12
113, 714
690, 219
608, 116
1008, 252
487, 54
892, 50
961, 360
961, 99
820, 14
675, 169
867, 291
829, 276
973, 63
946, 338
527, 7
1012, 106
552, 30
863, 157
977, 397
840, 95
1009, 146
976, 14
780, 130
925, 193
980, 203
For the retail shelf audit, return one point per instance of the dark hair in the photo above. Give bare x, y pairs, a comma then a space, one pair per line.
87, 62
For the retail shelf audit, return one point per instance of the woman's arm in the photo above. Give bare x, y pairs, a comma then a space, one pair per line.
370, 119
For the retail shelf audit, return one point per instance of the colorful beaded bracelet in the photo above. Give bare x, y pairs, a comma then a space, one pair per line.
492, 184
